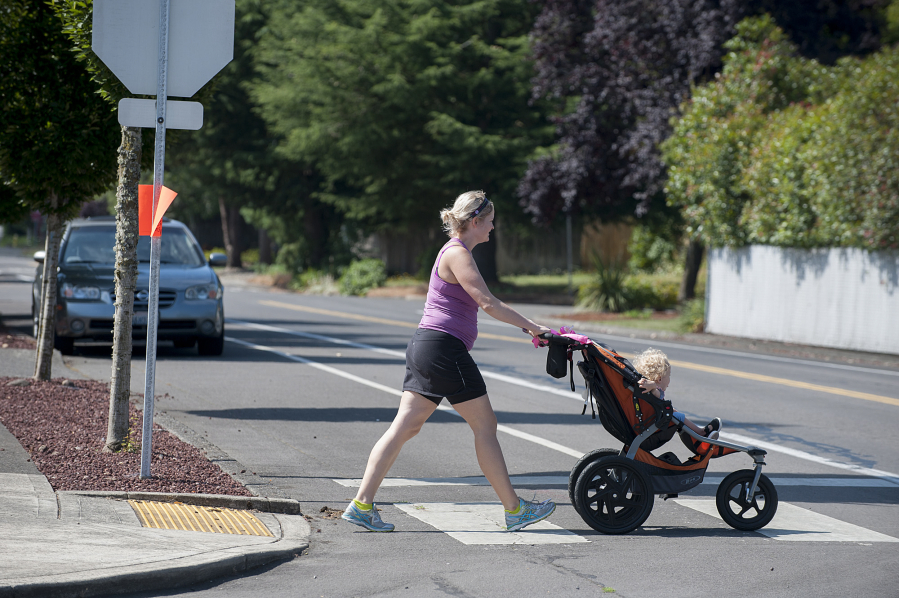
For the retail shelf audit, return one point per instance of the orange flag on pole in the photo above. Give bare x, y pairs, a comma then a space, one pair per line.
147, 225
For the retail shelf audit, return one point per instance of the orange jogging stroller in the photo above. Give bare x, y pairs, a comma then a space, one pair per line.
613, 490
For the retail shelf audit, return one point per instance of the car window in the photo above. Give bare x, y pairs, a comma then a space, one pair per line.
96, 244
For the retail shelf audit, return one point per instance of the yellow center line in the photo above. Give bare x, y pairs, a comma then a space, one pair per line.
787, 382
349, 316
684, 364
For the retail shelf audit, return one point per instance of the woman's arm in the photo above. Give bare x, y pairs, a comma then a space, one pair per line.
462, 267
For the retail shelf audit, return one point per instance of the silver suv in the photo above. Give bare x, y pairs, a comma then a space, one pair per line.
190, 292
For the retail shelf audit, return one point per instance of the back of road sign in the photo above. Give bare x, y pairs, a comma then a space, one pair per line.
201, 42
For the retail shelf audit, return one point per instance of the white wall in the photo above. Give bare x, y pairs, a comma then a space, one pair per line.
844, 298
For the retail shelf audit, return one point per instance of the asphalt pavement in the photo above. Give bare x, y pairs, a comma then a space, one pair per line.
308, 434
59, 544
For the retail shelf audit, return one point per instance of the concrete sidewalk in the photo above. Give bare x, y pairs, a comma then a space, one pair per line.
92, 544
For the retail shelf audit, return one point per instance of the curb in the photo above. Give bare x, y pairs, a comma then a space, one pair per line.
294, 541
284, 506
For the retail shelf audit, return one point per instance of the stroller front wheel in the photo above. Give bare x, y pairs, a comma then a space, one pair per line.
739, 513
613, 496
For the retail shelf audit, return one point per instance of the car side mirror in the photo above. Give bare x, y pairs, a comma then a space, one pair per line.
39, 256
217, 260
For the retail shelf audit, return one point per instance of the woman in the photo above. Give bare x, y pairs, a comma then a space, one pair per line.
438, 365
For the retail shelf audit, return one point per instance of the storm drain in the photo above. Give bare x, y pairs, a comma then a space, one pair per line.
166, 515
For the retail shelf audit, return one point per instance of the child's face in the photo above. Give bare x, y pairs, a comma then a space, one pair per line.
665, 380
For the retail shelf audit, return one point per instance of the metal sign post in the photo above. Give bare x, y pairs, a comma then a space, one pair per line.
202, 43
146, 446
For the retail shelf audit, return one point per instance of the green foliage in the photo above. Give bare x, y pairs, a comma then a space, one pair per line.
58, 140
692, 316
363, 275
652, 250
646, 291
401, 104
780, 150
607, 292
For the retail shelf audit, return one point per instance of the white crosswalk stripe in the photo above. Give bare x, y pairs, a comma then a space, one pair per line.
556, 481
795, 524
483, 523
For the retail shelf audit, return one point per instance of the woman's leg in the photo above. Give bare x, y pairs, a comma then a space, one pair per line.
414, 411
480, 416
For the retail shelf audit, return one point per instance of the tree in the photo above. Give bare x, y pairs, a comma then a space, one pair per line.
56, 143
230, 167
782, 150
401, 105
617, 71
134, 152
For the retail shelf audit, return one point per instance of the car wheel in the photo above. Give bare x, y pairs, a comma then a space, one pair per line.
212, 346
64, 344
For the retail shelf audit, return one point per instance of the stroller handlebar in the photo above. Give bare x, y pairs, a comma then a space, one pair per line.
555, 339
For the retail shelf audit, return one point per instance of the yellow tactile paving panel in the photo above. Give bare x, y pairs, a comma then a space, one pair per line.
167, 515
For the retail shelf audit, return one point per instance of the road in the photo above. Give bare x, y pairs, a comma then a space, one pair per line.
307, 384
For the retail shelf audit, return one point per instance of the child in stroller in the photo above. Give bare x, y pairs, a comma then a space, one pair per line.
613, 489
653, 365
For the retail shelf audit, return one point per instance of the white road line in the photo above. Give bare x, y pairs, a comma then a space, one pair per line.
562, 481
483, 523
393, 391
517, 480
795, 524
401, 354
876, 473
888, 476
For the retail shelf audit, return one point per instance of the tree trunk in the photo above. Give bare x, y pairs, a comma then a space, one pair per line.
127, 216
265, 247
44, 354
695, 249
485, 257
231, 220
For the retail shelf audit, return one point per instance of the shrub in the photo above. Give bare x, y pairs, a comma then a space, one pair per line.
607, 291
651, 291
250, 257
692, 316
362, 276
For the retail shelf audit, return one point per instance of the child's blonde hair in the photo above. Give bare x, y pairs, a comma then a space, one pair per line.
652, 364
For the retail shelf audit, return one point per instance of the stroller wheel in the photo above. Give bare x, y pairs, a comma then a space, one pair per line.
739, 513
613, 496
583, 462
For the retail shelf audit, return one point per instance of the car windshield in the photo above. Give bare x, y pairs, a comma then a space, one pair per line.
96, 245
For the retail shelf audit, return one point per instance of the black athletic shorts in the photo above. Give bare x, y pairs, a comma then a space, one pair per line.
438, 365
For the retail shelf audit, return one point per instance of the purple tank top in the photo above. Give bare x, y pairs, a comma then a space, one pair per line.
449, 308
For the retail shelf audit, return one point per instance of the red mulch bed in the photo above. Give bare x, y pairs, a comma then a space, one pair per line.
64, 427
15, 341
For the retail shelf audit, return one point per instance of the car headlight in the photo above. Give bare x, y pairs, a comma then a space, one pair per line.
203, 291
75, 291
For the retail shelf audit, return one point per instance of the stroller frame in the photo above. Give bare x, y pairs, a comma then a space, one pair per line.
613, 490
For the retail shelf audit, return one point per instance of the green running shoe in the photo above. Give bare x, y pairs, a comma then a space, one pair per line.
370, 520
529, 512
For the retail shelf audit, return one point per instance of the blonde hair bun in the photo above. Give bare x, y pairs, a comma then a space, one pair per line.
456, 218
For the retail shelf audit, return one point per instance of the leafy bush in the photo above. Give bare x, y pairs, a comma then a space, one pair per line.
692, 316
780, 150
651, 291
607, 291
652, 250
250, 257
362, 276
315, 282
